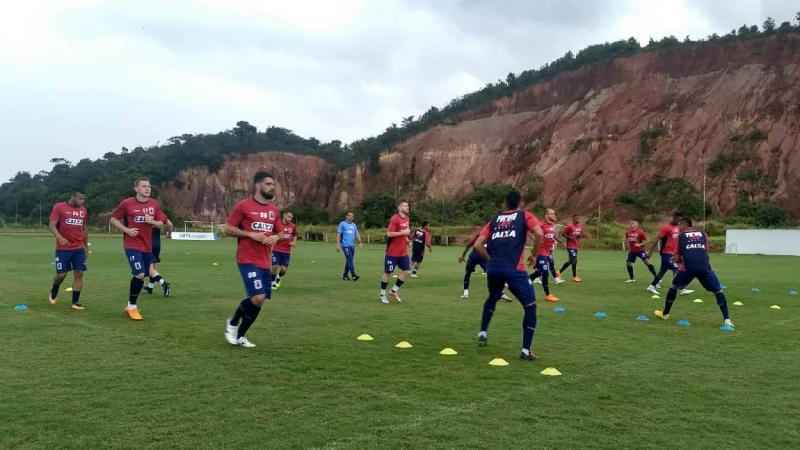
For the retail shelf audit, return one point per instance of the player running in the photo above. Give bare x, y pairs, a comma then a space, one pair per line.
668, 238
136, 217
68, 225
255, 222
505, 236
396, 252
282, 252
346, 237
421, 239
635, 238
474, 260
692, 255
543, 252
155, 276
573, 233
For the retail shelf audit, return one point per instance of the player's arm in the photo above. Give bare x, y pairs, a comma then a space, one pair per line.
392, 231
428, 242
231, 230
538, 238
358, 238
480, 249
658, 239
294, 237
467, 248
132, 232
53, 229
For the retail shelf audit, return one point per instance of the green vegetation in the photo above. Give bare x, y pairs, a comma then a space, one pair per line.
664, 195
95, 379
647, 144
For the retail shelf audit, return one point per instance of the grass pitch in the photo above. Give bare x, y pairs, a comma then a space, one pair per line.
96, 379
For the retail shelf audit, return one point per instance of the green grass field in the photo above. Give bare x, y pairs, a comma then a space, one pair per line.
96, 379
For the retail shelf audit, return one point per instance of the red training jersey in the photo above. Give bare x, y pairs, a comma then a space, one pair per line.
398, 246
288, 234
635, 239
669, 238
252, 216
71, 224
573, 233
132, 212
549, 240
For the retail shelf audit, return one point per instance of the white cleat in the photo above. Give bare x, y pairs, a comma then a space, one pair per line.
465, 296
559, 280
506, 298
538, 281
630, 281
658, 286
413, 275
230, 333
686, 291
244, 342
652, 289
384, 300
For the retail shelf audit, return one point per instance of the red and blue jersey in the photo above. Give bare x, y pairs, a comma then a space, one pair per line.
71, 224
398, 245
420, 239
573, 233
636, 239
693, 249
288, 234
132, 213
669, 238
506, 236
546, 249
251, 216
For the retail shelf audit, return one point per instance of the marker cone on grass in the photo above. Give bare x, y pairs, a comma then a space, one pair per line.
448, 352
551, 372
498, 362
403, 344
365, 337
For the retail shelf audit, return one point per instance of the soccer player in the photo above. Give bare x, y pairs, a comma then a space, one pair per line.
668, 238
282, 253
543, 252
475, 259
155, 276
636, 239
135, 217
692, 255
573, 233
68, 225
346, 237
421, 239
505, 236
256, 224
398, 233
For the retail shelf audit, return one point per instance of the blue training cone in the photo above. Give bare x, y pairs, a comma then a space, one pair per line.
792, 292
726, 328
21, 307
600, 314
559, 309
755, 290
642, 318
683, 323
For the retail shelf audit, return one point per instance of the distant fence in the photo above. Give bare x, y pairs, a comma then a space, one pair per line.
763, 242
375, 238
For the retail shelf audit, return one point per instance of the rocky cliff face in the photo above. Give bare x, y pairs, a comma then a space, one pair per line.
592, 134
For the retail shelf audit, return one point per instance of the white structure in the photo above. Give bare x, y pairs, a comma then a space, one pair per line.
763, 242
193, 236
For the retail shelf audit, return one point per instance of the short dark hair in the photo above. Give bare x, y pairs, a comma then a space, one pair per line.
678, 214
513, 197
76, 192
260, 176
139, 180
685, 220
400, 202
425, 224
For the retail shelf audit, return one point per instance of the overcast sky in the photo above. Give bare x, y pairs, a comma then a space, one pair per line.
80, 78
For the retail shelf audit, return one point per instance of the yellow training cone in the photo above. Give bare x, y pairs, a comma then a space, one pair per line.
698, 300
551, 371
498, 362
775, 307
654, 296
69, 289
448, 352
403, 344
365, 337
738, 304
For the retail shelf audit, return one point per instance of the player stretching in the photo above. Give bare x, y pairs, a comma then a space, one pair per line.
505, 236
282, 253
543, 252
68, 225
475, 259
346, 236
421, 239
156, 277
573, 233
668, 238
636, 238
396, 252
692, 255
255, 221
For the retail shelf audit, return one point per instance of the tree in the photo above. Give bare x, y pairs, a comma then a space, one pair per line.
769, 25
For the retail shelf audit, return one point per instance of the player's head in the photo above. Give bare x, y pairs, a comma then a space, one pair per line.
77, 198
513, 200
676, 217
576, 219
288, 217
402, 207
425, 224
264, 184
142, 187
550, 215
684, 223
349, 216
633, 224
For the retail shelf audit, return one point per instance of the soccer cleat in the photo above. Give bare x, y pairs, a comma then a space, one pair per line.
658, 286
630, 280
685, 291
230, 333
384, 300
274, 286
559, 280
530, 356
148, 289
166, 287
396, 297
346, 278
133, 313
576, 279
537, 281
505, 298
652, 289
481, 340
465, 296
78, 306
277, 284
660, 314
413, 275
356, 277
551, 298
728, 323
52, 299
244, 342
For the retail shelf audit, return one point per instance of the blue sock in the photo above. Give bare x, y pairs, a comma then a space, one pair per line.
76, 297
723, 304
652, 269
467, 276
136, 288
156, 279
249, 315
54, 290
237, 314
488, 312
671, 294
397, 285
383, 285
545, 284
630, 272
528, 326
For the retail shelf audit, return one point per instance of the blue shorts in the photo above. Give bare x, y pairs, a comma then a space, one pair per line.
543, 264
572, 253
417, 255
641, 255
257, 281
707, 278
281, 258
69, 260
156, 252
666, 264
475, 260
139, 261
401, 262
517, 281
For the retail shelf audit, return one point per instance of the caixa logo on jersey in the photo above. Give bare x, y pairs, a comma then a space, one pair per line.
261, 226
138, 219
73, 221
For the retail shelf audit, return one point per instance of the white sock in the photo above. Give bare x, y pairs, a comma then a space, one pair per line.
482, 334
162, 281
150, 285
526, 352
466, 292
383, 292
132, 306
395, 288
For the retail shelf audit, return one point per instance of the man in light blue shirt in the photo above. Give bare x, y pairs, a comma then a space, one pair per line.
346, 237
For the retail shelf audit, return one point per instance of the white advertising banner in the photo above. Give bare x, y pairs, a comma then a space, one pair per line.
192, 236
763, 242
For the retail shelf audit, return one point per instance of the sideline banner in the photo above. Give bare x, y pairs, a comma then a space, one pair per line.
192, 236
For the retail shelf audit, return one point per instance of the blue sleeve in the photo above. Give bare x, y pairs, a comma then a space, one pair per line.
339, 228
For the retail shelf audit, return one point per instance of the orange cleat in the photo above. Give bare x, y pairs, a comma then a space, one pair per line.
551, 298
133, 313
576, 279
